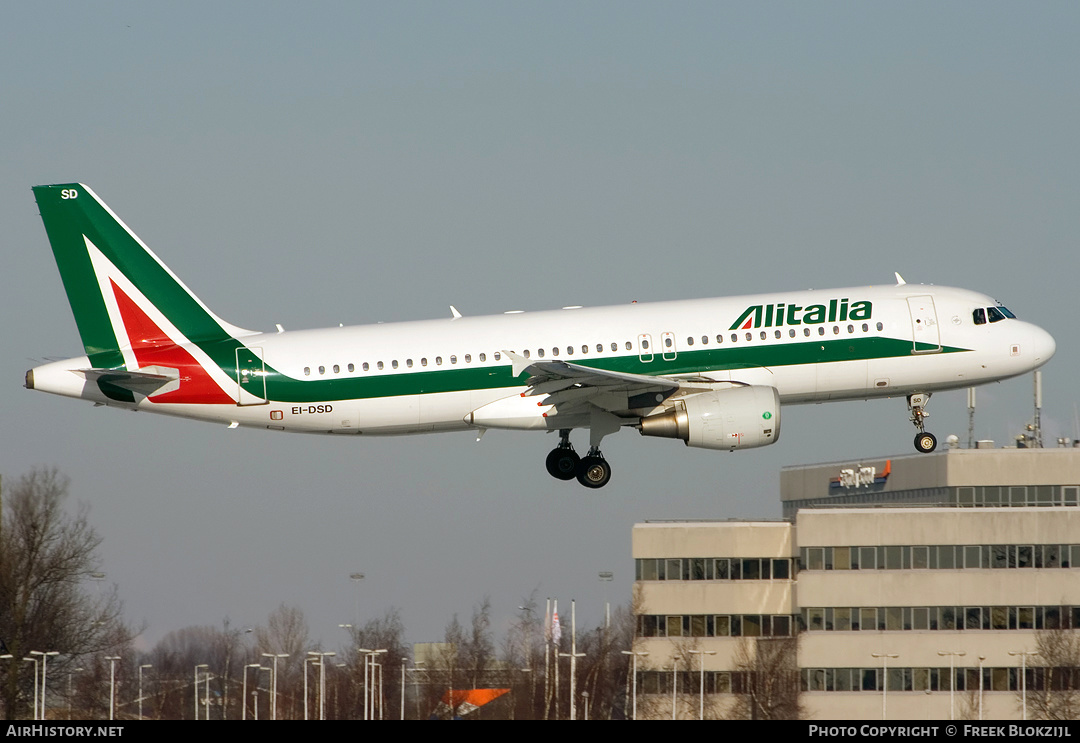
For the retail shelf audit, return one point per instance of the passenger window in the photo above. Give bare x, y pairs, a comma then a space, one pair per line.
880, 326
525, 354
614, 346
570, 350
307, 371
806, 332
645, 344
351, 368
423, 361
599, 347
540, 352
865, 328
979, 316
763, 336
468, 358
555, 351
498, 356
704, 340
667, 343
438, 361
483, 357
791, 333
394, 363
777, 334
629, 346
850, 329
690, 341
821, 330
719, 339
734, 337
836, 330
322, 370
337, 369
366, 367
408, 363
453, 359
749, 336
585, 349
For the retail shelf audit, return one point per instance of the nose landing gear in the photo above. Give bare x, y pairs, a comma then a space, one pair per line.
924, 442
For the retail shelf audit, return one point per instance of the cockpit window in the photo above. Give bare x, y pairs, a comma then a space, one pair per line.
979, 316
995, 314
1005, 311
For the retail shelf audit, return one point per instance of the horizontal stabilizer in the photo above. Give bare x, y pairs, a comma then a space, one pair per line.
141, 382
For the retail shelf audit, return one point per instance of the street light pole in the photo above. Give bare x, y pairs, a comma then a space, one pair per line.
884, 679
701, 685
953, 655
112, 685
147, 665
634, 654
1023, 674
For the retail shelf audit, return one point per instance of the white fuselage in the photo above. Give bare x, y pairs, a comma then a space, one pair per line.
416, 377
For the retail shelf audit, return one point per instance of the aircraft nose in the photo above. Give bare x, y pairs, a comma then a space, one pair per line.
1043, 345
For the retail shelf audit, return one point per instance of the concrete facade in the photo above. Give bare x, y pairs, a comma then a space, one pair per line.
867, 586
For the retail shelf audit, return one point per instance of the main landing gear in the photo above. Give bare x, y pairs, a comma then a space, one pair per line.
563, 463
924, 442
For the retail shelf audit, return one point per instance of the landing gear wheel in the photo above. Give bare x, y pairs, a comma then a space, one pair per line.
594, 472
925, 442
562, 464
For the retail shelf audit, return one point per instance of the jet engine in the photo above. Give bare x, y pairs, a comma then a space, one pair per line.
735, 418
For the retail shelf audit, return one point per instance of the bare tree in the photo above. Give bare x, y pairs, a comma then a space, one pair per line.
286, 632
1053, 688
767, 682
45, 554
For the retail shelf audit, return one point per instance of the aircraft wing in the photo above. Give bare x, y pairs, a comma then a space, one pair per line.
571, 387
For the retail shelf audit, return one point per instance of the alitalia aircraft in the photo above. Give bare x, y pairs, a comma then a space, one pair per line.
712, 372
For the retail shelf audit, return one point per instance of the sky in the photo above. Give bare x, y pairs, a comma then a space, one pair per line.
319, 163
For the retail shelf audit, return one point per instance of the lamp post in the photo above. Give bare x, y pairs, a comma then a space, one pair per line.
322, 680
35, 662
369, 692
273, 682
71, 673
953, 655
195, 686
243, 713
356, 578
701, 685
44, 674
634, 654
1024, 654
112, 684
981, 659
884, 679
145, 665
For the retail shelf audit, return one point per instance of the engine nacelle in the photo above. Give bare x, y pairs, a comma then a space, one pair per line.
736, 418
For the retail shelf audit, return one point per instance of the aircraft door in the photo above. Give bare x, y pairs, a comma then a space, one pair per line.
925, 333
250, 377
668, 339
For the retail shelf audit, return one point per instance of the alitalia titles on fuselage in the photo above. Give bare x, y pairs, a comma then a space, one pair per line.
777, 315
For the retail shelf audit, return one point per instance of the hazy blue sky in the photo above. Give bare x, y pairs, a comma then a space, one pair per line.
316, 163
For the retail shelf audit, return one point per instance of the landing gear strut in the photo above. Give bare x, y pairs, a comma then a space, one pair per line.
924, 442
562, 461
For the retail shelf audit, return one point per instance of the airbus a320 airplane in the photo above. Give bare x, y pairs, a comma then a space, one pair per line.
712, 372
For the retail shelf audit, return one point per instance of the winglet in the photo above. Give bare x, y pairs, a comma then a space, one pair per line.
899, 279
454, 312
